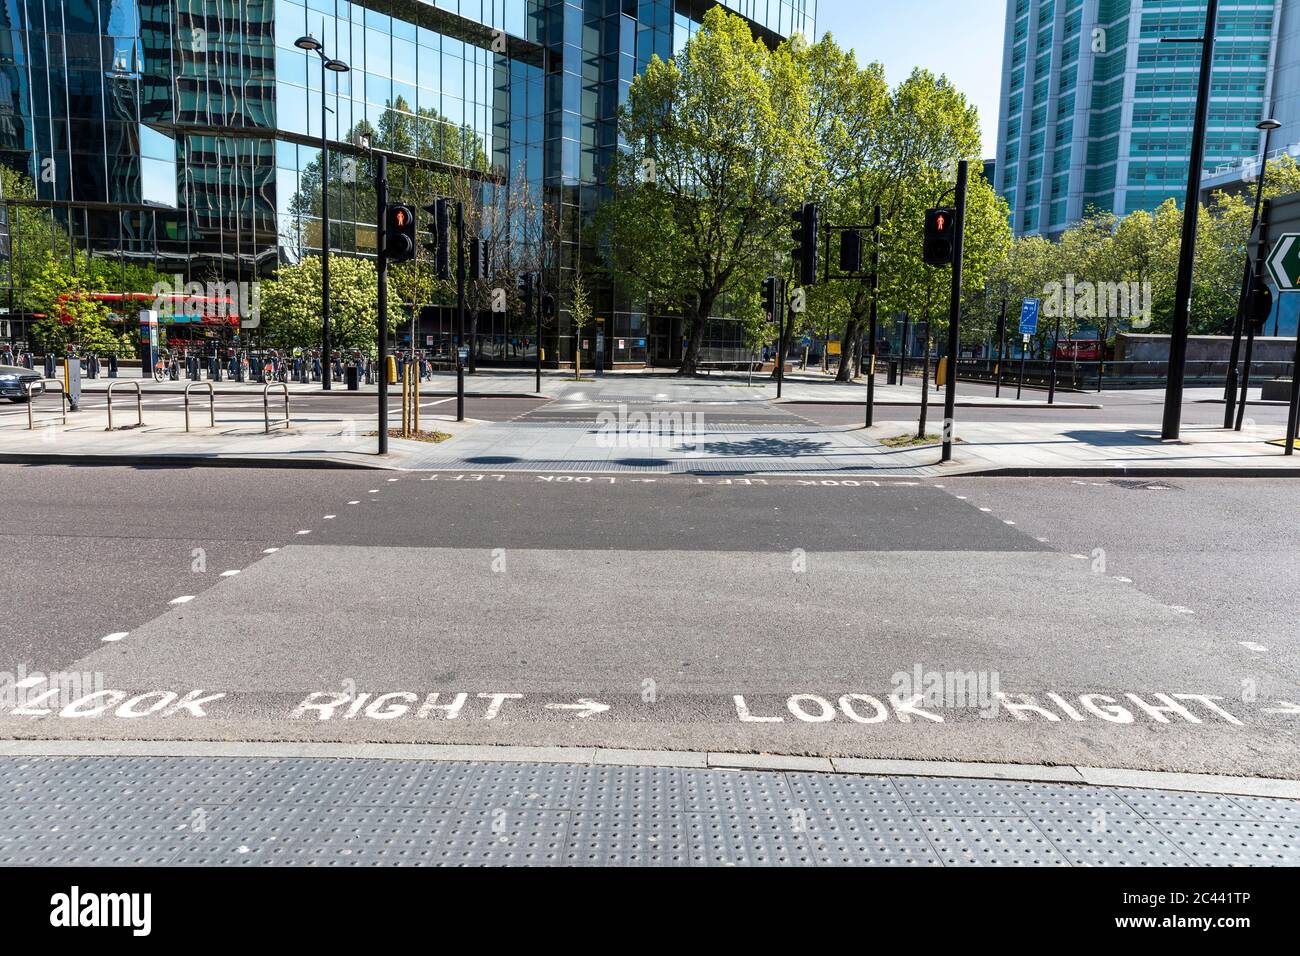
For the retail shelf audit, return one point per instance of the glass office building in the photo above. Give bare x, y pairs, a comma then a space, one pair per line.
186, 133
1097, 112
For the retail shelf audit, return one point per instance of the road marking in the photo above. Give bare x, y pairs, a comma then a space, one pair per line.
1123, 580
329, 517
230, 574
115, 636
270, 550
1252, 646
584, 707
373, 491
305, 532
986, 510
1005, 521
393, 479
183, 599
1180, 609
354, 502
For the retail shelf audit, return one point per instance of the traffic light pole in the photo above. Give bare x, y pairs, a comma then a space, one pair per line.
954, 314
1172, 421
535, 303
1002, 347
1261, 255
460, 310
871, 323
780, 339
381, 197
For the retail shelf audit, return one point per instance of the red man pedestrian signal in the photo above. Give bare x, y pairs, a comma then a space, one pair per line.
399, 234
939, 234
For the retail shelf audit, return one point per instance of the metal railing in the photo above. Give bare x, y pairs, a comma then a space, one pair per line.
139, 401
31, 400
212, 404
266, 405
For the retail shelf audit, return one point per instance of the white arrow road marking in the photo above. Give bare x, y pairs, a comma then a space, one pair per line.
586, 707
1288, 708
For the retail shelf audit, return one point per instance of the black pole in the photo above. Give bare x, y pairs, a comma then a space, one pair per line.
1261, 254
954, 314
1051, 378
460, 310
1020, 379
381, 202
875, 312
1101, 355
1169, 429
532, 310
1230, 382
1293, 414
1002, 346
902, 347
327, 363
780, 340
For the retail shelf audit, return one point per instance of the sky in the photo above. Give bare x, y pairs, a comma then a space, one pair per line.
961, 38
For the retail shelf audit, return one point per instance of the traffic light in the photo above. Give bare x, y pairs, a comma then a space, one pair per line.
439, 247
940, 230
808, 218
1261, 305
548, 305
851, 251
477, 259
399, 239
769, 298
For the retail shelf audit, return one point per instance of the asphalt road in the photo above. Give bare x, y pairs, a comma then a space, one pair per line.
1113, 623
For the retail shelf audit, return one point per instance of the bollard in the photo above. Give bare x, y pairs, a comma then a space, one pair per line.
112, 366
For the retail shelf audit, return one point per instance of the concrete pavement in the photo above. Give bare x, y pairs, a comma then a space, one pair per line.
325, 809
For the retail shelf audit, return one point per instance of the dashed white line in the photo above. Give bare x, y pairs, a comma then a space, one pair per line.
307, 531
230, 574
329, 517
270, 550
183, 599
115, 636
1252, 646
1123, 580
354, 502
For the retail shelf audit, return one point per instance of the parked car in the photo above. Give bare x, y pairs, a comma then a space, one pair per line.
13, 382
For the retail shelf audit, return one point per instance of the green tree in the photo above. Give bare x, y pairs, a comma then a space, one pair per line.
720, 147
290, 305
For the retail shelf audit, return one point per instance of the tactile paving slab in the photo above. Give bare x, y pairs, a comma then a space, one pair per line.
202, 811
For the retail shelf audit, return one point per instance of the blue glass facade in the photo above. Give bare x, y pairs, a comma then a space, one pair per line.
186, 132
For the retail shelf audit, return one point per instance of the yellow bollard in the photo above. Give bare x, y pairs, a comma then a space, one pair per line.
392, 370
941, 372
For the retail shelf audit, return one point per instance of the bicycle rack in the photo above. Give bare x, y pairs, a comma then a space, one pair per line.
212, 404
31, 400
266, 405
139, 401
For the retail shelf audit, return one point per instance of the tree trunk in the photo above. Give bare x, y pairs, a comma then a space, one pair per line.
849, 350
695, 322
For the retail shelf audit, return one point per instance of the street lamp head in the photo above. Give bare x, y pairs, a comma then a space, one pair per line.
308, 42
337, 66
1268, 124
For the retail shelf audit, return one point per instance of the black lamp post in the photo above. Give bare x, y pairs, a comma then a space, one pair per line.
309, 42
1230, 385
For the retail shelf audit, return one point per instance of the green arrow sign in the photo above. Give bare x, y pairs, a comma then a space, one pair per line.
1284, 262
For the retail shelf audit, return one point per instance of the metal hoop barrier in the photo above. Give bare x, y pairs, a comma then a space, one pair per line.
266, 404
31, 400
139, 401
212, 404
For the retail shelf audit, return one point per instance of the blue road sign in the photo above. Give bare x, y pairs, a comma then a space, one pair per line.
1029, 317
